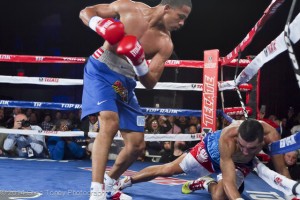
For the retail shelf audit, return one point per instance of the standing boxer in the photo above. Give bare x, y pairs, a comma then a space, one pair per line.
133, 32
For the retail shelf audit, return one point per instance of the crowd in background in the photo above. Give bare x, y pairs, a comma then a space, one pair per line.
59, 148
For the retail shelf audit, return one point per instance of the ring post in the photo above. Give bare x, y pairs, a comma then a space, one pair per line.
210, 89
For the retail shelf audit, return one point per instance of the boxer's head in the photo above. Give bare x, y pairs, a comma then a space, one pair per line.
250, 137
175, 12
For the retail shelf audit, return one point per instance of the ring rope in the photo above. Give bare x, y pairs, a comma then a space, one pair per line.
275, 48
285, 145
81, 60
64, 81
288, 41
118, 136
279, 147
152, 111
271, 9
238, 90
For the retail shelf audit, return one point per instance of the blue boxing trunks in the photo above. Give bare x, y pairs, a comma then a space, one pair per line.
108, 85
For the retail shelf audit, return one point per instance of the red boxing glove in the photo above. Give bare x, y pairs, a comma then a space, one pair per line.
111, 30
132, 49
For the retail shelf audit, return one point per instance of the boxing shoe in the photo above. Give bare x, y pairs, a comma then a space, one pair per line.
117, 195
199, 184
98, 196
112, 190
97, 191
291, 197
124, 183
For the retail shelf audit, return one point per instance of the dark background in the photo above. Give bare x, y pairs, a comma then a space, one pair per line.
53, 28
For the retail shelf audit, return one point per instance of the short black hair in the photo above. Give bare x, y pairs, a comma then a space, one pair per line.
250, 130
177, 3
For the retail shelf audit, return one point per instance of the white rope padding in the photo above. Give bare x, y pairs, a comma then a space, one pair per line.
276, 47
118, 136
64, 81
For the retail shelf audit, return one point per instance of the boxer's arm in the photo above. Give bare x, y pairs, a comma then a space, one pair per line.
101, 10
157, 64
10, 142
273, 179
100, 19
227, 148
130, 47
271, 135
279, 165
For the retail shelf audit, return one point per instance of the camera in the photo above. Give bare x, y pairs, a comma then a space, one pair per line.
25, 123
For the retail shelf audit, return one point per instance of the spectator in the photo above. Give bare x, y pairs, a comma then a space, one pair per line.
175, 129
290, 160
290, 118
195, 121
33, 119
90, 124
295, 129
31, 146
28, 112
57, 117
166, 153
182, 122
192, 129
73, 116
10, 121
282, 129
2, 117
47, 125
164, 124
65, 147
154, 147
3, 136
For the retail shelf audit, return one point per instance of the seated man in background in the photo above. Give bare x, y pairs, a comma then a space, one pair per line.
90, 124
65, 147
27, 146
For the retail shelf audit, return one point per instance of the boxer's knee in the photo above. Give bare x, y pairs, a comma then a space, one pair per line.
137, 149
109, 122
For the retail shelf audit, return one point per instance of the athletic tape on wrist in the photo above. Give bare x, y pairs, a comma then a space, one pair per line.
239, 199
141, 69
94, 22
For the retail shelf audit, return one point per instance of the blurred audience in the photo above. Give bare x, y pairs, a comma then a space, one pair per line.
81, 147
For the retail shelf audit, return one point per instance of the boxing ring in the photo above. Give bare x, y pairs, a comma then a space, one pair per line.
46, 179
65, 179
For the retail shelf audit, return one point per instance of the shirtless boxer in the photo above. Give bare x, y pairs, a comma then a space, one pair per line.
133, 32
229, 153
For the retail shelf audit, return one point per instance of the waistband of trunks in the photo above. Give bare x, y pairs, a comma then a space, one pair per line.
114, 62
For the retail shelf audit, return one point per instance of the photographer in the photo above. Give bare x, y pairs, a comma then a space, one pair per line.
26, 146
66, 148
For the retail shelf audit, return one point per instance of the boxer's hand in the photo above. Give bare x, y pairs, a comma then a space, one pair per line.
111, 30
132, 49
